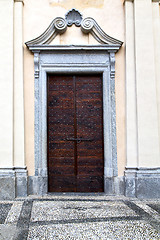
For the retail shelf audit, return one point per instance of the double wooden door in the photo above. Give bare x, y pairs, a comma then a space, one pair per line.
75, 133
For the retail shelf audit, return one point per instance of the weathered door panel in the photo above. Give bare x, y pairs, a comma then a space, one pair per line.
75, 134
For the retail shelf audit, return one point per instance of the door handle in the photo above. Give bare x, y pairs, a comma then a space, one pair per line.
78, 139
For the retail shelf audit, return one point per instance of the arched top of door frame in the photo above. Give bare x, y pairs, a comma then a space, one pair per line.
88, 25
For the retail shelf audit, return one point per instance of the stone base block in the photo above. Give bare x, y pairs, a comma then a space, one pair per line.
142, 182
114, 186
137, 182
148, 188
21, 182
7, 188
109, 186
21, 187
37, 185
33, 185
13, 183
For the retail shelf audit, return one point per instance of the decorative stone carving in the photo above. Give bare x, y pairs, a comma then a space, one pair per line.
112, 62
89, 25
36, 65
59, 26
73, 17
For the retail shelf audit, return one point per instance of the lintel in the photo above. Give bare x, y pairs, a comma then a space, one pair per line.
108, 48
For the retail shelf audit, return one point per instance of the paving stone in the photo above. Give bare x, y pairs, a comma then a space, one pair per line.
108, 230
7, 232
4, 209
14, 213
156, 207
79, 217
47, 211
150, 210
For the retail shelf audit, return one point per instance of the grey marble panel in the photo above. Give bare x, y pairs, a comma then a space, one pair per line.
148, 188
74, 58
142, 182
7, 188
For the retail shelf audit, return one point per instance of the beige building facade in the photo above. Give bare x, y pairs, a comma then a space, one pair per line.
117, 39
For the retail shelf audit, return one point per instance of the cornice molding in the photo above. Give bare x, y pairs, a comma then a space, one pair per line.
72, 48
59, 26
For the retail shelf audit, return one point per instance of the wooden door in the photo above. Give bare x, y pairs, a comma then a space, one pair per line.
75, 133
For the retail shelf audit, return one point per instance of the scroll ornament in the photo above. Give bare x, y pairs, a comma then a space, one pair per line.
59, 26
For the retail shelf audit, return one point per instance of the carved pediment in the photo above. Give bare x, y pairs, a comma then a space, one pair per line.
59, 26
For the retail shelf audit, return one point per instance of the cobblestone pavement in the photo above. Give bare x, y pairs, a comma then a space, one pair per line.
79, 217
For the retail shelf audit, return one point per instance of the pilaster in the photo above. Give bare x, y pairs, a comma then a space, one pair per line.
142, 98
13, 179
19, 159
147, 115
131, 104
156, 35
142, 86
6, 83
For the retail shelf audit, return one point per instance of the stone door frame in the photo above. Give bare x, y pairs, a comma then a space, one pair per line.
89, 59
